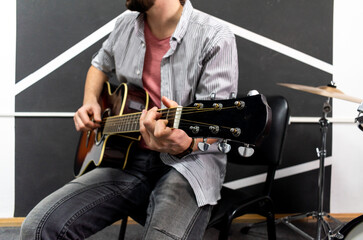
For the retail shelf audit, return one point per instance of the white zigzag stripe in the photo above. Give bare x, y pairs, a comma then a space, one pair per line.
107, 28
281, 173
278, 47
65, 57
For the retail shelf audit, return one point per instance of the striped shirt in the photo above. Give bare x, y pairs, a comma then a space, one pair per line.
201, 62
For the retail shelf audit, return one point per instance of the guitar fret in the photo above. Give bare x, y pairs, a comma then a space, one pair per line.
121, 124
130, 122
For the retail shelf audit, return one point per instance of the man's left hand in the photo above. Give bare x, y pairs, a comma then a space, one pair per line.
158, 136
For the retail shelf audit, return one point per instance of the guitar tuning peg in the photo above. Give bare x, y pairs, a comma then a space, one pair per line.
203, 146
252, 93
224, 147
246, 151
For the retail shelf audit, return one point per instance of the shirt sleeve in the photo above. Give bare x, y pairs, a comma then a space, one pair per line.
219, 78
104, 58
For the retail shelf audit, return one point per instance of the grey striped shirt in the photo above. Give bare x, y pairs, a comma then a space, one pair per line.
202, 60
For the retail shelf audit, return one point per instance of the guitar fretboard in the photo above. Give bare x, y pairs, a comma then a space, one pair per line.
131, 122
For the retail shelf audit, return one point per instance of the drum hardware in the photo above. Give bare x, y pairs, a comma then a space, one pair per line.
329, 91
319, 215
359, 119
353, 230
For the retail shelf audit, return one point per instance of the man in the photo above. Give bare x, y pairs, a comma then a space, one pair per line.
178, 55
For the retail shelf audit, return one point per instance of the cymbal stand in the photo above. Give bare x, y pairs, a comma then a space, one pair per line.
320, 215
359, 119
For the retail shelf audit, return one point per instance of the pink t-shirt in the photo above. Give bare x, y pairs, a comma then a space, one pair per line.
151, 76
155, 50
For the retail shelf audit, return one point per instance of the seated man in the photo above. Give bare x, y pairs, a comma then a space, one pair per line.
178, 55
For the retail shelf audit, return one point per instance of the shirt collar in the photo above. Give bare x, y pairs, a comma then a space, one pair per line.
181, 28
139, 26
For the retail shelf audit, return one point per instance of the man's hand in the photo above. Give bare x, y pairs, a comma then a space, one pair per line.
158, 136
88, 117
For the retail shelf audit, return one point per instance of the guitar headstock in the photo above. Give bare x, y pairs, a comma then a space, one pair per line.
245, 120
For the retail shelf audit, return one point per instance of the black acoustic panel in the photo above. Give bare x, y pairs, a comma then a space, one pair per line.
44, 156
61, 90
299, 193
45, 29
261, 69
236, 171
304, 25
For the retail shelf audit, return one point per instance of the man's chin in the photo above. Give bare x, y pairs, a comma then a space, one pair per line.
134, 5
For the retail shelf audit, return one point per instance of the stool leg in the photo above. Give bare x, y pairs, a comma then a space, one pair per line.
121, 235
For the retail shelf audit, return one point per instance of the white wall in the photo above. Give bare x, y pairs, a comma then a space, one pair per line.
7, 105
347, 155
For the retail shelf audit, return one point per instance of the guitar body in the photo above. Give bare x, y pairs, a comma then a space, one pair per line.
95, 147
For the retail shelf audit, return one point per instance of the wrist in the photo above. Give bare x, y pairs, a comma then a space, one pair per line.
187, 151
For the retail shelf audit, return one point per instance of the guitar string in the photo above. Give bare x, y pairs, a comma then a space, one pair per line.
135, 116
114, 122
115, 119
114, 129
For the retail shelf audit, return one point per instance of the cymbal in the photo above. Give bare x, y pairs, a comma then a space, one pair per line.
325, 91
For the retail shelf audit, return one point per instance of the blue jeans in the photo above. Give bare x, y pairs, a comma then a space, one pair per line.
102, 196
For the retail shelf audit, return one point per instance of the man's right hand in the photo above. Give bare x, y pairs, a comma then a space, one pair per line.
88, 117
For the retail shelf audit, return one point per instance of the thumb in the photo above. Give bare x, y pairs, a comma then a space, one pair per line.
95, 112
169, 103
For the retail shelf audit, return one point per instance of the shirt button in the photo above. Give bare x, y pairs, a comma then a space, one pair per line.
143, 44
138, 72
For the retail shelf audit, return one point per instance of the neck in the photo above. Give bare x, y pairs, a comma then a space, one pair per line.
163, 17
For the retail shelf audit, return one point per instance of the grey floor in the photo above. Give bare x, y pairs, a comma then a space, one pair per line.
134, 232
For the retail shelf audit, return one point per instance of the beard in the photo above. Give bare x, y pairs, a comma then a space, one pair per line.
139, 5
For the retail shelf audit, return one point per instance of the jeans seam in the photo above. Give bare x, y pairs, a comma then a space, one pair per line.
151, 206
64, 199
83, 211
187, 231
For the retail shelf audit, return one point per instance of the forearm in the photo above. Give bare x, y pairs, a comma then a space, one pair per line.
94, 84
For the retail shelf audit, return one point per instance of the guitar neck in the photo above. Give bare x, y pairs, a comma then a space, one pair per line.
131, 122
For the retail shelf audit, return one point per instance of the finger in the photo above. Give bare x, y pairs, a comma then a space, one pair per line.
169, 103
93, 116
79, 124
161, 130
96, 113
94, 119
150, 118
83, 119
144, 133
76, 124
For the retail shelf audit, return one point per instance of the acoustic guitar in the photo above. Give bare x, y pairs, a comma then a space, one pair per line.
245, 120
